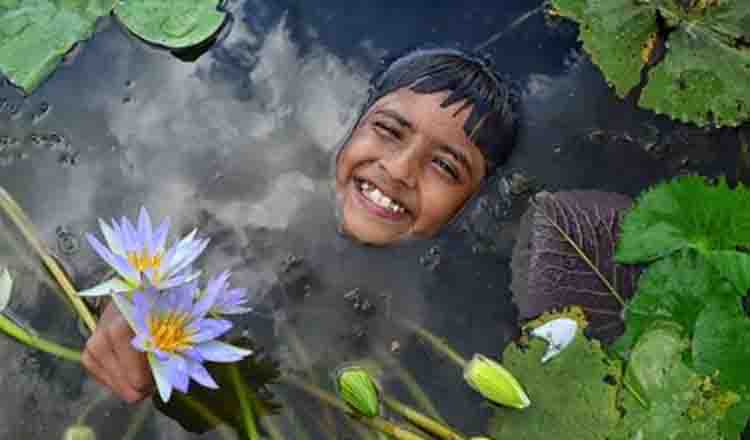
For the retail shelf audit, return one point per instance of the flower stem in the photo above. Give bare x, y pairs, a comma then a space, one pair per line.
427, 424
416, 392
205, 413
24, 225
137, 423
436, 342
246, 407
377, 423
15, 331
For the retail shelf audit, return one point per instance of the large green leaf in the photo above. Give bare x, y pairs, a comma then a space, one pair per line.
172, 23
580, 384
36, 34
734, 267
677, 289
721, 343
703, 76
680, 404
685, 213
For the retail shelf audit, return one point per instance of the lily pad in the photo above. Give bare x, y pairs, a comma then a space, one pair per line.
175, 24
704, 75
579, 384
35, 35
681, 404
564, 257
677, 288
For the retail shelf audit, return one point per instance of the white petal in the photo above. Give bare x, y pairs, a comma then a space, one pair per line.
115, 285
126, 308
113, 239
558, 334
6, 286
160, 377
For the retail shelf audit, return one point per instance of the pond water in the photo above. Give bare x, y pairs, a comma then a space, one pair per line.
239, 144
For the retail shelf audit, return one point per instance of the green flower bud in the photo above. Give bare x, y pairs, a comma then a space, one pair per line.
494, 382
358, 390
79, 432
479, 438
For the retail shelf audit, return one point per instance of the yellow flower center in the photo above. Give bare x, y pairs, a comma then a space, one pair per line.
144, 261
169, 332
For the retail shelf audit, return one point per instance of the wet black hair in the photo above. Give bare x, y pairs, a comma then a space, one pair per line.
468, 77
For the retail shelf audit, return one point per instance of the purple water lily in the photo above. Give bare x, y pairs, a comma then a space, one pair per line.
228, 301
139, 254
172, 328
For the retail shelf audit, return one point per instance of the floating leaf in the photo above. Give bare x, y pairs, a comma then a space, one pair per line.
681, 403
685, 213
676, 288
36, 34
703, 76
171, 23
6, 286
257, 370
721, 343
580, 384
733, 266
564, 257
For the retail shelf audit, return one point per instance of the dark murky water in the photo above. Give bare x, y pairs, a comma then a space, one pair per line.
238, 143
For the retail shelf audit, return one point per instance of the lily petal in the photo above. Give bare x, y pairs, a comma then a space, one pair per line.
114, 285
160, 377
199, 373
216, 351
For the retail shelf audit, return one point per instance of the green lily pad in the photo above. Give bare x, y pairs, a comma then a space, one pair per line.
680, 403
704, 75
36, 34
175, 24
580, 384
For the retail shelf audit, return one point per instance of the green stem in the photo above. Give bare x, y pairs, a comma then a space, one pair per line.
205, 413
22, 222
416, 418
415, 391
137, 423
436, 342
377, 423
13, 330
246, 407
634, 393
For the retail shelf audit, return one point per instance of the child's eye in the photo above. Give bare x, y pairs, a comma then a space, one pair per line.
447, 167
385, 130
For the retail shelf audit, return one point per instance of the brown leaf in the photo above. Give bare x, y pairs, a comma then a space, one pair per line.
564, 257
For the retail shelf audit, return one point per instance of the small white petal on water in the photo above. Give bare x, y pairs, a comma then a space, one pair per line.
558, 334
6, 286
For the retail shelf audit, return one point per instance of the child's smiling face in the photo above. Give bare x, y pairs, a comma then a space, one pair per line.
407, 169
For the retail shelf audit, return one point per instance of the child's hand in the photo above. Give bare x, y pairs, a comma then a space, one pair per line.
114, 362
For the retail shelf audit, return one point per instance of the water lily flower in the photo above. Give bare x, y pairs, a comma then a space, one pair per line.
357, 388
139, 254
495, 383
172, 328
228, 301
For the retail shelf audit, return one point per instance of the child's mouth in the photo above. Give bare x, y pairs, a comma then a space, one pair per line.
378, 202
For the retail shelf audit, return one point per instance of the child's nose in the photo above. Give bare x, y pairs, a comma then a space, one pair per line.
403, 165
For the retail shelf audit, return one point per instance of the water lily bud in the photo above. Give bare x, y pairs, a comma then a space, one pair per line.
479, 438
79, 432
358, 390
494, 382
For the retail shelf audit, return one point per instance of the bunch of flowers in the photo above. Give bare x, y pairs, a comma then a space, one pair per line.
176, 322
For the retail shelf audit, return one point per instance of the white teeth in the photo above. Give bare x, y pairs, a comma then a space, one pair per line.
374, 194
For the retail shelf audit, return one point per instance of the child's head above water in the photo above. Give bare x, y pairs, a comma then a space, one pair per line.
437, 122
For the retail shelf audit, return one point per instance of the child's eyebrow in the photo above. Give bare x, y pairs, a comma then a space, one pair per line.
398, 117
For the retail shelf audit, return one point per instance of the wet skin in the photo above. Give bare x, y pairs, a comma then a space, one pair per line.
413, 151
408, 168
